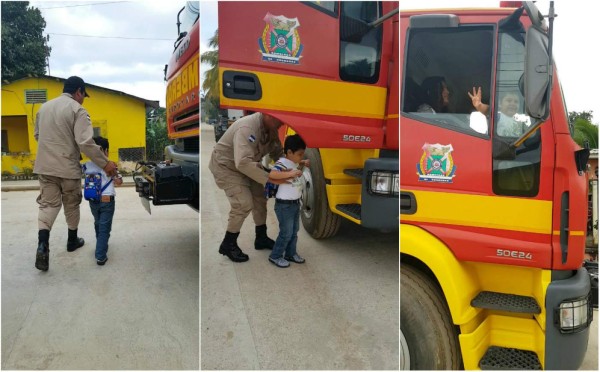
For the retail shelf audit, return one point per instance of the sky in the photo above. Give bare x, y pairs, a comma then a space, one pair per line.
208, 23
575, 44
120, 45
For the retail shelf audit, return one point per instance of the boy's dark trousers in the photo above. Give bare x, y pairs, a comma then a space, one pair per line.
288, 214
103, 215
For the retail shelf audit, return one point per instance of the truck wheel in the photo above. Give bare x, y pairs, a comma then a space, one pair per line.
428, 336
317, 218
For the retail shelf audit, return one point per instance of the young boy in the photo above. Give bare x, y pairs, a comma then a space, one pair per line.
287, 202
103, 209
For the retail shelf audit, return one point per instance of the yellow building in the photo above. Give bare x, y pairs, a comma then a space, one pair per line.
118, 116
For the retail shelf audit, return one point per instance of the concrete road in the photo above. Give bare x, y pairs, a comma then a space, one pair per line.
139, 311
339, 310
590, 362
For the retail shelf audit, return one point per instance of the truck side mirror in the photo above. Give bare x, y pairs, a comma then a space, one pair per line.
537, 74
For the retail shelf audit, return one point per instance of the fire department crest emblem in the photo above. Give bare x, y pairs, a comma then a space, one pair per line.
280, 40
436, 164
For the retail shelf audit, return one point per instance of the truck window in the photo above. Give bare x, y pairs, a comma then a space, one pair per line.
442, 66
190, 15
327, 7
360, 59
519, 176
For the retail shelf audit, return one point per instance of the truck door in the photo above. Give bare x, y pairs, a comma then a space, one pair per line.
300, 62
465, 183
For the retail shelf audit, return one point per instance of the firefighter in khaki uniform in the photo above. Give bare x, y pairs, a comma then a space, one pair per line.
236, 165
63, 130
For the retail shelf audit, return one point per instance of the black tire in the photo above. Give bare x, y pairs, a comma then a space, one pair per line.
425, 323
317, 218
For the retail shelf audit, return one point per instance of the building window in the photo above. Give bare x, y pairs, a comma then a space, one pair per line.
36, 96
132, 154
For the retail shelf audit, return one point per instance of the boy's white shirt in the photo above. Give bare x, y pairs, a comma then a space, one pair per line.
292, 189
89, 167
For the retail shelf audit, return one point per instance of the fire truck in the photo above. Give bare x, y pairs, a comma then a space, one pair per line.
175, 180
329, 71
492, 204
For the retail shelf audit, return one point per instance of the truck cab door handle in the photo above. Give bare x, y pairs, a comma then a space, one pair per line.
408, 203
241, 85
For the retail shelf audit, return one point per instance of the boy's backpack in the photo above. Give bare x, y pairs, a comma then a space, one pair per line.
92, 186
271, 188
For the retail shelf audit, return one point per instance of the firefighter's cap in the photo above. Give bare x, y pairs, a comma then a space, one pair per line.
73, 83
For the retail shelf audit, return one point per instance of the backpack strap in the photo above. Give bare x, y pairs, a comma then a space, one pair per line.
105, 186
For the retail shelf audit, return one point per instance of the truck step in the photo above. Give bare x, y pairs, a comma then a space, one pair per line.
352, 210
356, 173
506, 302
497, 357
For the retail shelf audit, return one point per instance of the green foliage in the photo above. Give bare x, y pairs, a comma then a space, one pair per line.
585, 132
583, 129
24, 49
211, 109
156, 134
585, 115
211, 76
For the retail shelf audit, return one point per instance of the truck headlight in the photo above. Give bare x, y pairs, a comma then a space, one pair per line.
384, 183
574, 315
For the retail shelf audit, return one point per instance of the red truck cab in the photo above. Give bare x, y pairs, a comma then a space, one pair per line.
493, 197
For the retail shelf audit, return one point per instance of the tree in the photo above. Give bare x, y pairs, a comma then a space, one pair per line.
585, 115
210, 85
585, 132
156, 134
583, 129
24, 48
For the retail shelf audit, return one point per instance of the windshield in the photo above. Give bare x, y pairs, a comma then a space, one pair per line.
189, 16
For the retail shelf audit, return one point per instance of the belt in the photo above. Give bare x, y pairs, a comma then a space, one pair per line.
288, 201
104, 199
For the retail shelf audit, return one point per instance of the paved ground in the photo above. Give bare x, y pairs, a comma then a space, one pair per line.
590, 362
339, 310
139, 311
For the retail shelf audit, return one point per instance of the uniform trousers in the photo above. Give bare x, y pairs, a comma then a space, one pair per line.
243, 200
54, 193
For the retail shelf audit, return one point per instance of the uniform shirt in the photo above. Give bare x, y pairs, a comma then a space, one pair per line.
63, 130
292, 189
90, 168
236, 158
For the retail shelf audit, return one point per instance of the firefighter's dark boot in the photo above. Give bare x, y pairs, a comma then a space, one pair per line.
74, 242
230, 248
262, 241
42, 256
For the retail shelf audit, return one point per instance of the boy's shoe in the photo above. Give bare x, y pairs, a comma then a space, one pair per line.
279, 262
102, 262
295, 258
